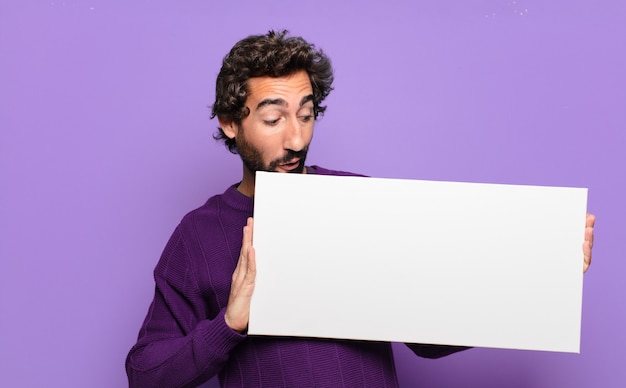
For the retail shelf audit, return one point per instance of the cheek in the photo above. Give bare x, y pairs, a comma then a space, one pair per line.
308, 132
270, 148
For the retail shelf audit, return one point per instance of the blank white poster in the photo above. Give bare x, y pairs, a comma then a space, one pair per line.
472, 264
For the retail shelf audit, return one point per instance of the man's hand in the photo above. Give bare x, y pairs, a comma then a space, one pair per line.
238, 309
588, 244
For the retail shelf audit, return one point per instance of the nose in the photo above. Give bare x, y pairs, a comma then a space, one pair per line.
294, 138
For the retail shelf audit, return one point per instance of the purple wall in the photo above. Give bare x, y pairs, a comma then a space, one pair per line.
105, 143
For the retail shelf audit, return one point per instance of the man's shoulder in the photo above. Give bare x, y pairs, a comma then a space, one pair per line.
325, 171
229, 202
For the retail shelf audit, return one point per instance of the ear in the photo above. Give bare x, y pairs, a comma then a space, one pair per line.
229, 127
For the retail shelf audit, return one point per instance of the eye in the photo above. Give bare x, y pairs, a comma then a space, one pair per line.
306, 118
271, 123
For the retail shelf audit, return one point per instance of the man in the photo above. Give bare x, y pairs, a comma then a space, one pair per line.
268, 96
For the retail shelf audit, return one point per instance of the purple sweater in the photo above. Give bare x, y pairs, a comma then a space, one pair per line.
184, 340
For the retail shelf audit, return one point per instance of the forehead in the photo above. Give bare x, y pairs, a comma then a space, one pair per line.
290, 87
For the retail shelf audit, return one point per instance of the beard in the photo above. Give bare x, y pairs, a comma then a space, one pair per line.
253, 160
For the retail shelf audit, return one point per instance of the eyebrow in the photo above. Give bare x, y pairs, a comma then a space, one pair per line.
281, 102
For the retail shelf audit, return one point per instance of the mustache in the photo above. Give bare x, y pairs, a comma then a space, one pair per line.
291, 155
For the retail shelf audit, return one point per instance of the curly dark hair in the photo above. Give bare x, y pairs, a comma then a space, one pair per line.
273, 55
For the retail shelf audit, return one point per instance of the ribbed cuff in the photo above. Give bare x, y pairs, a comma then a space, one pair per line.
219, 336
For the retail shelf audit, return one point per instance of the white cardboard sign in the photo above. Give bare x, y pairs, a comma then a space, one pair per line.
471, 264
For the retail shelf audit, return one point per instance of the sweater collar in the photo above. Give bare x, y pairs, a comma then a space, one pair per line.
233, 198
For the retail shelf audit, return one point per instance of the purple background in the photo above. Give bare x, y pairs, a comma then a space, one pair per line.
105, 142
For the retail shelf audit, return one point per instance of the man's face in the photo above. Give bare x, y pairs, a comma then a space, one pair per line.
275, 136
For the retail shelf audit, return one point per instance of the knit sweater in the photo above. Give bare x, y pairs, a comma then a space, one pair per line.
184, 340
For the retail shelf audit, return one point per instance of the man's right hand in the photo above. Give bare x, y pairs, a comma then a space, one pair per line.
238, 309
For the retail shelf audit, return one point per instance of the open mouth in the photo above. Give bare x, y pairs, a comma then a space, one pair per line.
294, 163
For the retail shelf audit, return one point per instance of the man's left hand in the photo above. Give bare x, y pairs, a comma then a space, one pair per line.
588, 244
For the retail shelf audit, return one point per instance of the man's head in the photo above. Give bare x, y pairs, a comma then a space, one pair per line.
271, 56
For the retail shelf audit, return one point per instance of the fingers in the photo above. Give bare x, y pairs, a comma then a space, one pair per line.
247, 236
588, 243
251, 254
242, 264
243, 280
591, 220
247, 259
251, 270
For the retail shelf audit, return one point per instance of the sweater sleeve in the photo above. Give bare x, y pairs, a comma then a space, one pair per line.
435, 351
178, 344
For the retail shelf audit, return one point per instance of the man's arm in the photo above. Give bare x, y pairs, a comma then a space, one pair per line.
177, 345
435, 351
